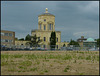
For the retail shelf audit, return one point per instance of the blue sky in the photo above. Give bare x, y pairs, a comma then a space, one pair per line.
73, 18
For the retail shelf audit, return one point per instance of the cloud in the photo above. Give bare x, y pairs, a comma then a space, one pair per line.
72, 18
87, 34
92, 7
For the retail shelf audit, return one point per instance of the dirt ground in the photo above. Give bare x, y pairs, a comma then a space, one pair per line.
49, 62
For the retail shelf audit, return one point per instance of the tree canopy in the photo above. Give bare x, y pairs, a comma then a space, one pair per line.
98, 42
34, 41
53, 40
72, 42
28, 38
21, 39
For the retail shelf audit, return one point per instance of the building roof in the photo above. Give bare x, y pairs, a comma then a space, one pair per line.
90, 39
47, 13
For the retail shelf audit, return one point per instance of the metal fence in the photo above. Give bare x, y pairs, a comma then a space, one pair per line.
47, 48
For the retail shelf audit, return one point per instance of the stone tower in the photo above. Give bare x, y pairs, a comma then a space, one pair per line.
46, 21
46, 24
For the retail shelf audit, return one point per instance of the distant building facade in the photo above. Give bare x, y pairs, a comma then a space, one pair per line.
7, 38
20, 43
46, 24
81, 40
90, 42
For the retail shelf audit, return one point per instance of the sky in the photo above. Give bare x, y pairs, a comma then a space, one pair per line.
73, 18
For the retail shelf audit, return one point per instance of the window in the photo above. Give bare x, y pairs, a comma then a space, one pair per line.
2, 34
10, 40
10, 34
44, 27
57, 39
6, 41
44, 19
6, 34
2, 40
40, 26
50, 26
44, 38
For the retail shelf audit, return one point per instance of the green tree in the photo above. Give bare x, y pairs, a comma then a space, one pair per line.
53, 40
16, 38
98, 42
72, 42
64, 45
34, 41
28, 38
21, 39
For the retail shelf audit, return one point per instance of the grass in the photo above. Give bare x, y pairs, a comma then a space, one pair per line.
47, 62
67, 68
88, 57
26, 63
34, 69
4, 63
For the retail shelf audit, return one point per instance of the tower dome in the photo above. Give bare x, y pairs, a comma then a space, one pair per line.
47, 13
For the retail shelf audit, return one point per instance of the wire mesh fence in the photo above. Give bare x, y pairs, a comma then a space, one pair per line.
47, 48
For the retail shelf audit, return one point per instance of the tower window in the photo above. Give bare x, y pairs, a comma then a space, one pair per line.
44, 19
50, 26
44, 38
44, 27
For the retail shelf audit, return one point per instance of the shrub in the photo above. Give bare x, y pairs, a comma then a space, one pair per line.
67, 68
67, 57
33, 69
45, 70
88, 57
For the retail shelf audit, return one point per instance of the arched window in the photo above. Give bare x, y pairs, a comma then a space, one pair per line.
44, 27
50, 26
44, 38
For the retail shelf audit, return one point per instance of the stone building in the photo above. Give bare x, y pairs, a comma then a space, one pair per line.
19, 44
90, 42
7, 38
46, 24
81, 40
